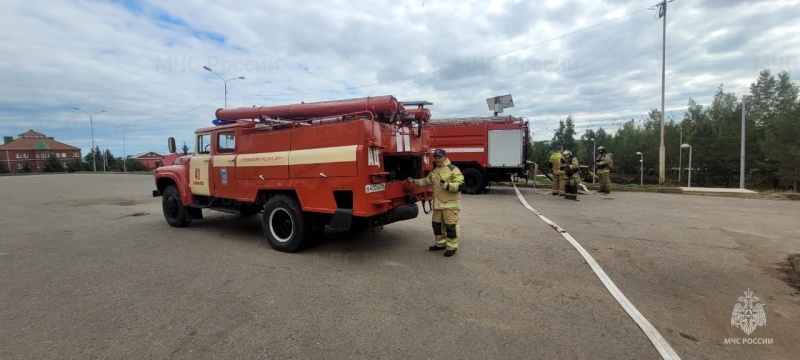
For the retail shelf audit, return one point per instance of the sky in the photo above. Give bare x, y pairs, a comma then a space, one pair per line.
597, 60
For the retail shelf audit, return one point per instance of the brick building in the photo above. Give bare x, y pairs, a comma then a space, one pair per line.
34, 148
150, 159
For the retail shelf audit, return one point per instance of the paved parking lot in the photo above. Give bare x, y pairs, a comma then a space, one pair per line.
91, 269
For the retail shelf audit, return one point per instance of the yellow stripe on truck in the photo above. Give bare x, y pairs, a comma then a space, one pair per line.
224, 160
323, 155
299, 157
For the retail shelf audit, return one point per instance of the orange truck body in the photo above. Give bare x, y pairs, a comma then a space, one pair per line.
341, 164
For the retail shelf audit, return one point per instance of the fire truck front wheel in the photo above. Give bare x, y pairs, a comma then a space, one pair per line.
285, 225
174, 211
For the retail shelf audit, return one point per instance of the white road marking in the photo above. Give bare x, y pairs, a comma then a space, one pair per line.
4, 254
655, 337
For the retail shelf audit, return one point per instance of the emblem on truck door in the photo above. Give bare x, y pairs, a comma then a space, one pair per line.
224, 175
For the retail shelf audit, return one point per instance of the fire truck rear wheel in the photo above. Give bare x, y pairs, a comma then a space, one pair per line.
285, 225
473, 181
171, 205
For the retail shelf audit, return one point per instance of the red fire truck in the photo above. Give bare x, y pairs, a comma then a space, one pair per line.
484, 148
341, 164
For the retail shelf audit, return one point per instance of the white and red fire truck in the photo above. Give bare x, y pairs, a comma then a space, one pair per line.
341, 164
484, 148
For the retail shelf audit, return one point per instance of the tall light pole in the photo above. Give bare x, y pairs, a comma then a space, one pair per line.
661, 150
641, 167
594, 156
124, 158
741, 162
91, 124
224, 81
680, 157
690, 162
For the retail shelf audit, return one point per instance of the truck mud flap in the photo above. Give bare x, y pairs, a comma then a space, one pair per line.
342, 219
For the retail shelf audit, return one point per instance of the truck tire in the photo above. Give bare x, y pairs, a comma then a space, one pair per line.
474, 181
172, 206
285, 225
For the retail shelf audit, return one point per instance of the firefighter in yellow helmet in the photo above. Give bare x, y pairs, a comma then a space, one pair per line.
558, 171
447, 181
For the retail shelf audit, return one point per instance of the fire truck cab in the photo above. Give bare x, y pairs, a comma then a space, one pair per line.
341, 164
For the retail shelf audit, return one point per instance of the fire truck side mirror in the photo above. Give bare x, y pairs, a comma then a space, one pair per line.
171, 144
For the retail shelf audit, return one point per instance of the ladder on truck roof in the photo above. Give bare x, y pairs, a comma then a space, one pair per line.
467, 121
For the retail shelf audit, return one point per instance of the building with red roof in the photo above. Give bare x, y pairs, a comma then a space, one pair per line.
33, 148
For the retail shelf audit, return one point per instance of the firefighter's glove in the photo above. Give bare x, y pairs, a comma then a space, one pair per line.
444, 184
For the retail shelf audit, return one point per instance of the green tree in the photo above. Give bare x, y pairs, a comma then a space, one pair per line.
52, 164
111, 162
75, 165
781, 129
185, 149
135, 165
92, 155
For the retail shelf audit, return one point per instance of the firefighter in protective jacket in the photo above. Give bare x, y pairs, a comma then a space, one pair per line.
604, 163
446, 180
571, 168
558, 171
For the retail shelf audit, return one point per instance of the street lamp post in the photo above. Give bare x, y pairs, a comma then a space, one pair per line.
594, 156
641, 167
680, 157
91, 124
225, 82
690, 162
124, 158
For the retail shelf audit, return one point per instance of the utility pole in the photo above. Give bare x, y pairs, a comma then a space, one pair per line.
741, 161
680, 158
124, 158
661, 150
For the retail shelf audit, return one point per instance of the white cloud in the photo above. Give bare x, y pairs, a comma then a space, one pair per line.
143, 61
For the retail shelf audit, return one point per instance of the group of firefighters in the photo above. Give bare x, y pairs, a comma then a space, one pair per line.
446, 180
566, 174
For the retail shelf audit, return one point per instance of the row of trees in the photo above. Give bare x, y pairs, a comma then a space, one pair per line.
772, 137
112, 163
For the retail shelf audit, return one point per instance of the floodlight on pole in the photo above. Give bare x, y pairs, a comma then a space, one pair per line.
225, 82
690, 163
641, 167
91, 124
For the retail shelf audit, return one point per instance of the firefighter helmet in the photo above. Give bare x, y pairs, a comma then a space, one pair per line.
439, 153
601, 149
567, 154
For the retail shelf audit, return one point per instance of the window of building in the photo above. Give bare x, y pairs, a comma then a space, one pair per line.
17, 155
63, 155
19, 166
203, 145
226, 142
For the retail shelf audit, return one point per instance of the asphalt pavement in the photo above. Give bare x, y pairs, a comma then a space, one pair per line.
91, 270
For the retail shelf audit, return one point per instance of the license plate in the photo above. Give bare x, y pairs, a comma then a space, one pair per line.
375, 188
